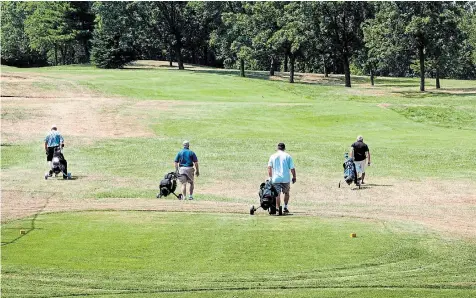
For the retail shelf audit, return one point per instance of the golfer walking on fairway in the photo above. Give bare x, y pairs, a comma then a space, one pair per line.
279, 166
184, 162
53, 141
360, 152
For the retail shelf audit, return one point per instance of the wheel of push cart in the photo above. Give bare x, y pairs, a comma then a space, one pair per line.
180, 196
46, 176
69, 176
252, 210
339, 184
272, 210
158, 196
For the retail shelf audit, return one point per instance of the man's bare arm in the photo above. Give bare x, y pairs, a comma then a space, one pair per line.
196, 168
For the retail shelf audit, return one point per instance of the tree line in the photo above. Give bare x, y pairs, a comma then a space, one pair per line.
405, 39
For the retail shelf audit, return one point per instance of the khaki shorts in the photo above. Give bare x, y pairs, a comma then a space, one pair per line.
282, 187
186, 174
360, 166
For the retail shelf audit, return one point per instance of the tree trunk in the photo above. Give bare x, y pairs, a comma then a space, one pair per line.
180, 59
326, 74
285, 62
271, 69
56, 54
421, 54
346, 71
372, 77
178, 52
291, 73
438, 78
63, 54
72, 56
86, 51
242, 68
205, 55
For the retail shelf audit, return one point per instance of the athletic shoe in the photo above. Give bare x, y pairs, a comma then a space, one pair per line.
285, 210
362, 182
190, 198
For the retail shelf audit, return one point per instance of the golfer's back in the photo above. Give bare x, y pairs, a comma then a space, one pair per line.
281, 163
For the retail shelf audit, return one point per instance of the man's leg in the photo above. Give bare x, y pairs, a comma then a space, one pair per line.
278, 188
184, 190
286, 201
192, 186
362, 180
278, 202
49, 158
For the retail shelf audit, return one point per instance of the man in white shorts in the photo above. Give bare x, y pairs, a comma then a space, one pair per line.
279, 165
361, 154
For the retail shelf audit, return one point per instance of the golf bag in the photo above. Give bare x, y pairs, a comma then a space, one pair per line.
59, 165
267, 198
350, 172
168, 185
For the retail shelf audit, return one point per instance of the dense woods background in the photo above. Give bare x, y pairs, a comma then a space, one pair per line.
425, 39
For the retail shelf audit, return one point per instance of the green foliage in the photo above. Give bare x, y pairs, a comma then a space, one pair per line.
114, 38
340, 25
385, 41
15, 42
45, 32
291, 36
313, 36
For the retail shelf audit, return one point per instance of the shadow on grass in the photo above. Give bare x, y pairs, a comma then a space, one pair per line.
299, 78
373, 184
73, 177
459, 92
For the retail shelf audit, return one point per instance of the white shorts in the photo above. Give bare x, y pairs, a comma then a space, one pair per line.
360, 166
186, 174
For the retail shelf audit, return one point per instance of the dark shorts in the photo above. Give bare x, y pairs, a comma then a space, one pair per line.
51, 150
282, 187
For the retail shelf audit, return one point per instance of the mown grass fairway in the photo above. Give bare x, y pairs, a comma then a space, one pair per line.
105, 234
148, 252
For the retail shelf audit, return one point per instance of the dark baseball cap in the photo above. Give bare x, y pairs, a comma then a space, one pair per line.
281, 146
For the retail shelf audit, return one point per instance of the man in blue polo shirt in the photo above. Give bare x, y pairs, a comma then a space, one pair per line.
279, 165
52, 141
184, 162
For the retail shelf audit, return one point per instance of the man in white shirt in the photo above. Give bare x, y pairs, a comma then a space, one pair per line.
279, 165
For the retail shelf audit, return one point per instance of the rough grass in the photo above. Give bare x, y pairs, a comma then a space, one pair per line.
449, 116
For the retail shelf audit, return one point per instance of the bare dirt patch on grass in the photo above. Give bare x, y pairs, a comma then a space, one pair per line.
30, 111
444, 207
